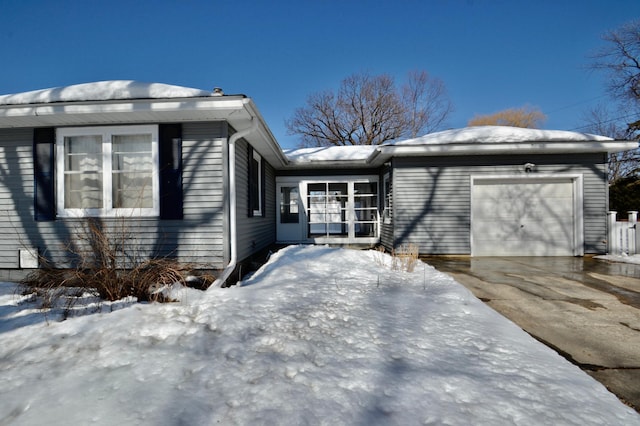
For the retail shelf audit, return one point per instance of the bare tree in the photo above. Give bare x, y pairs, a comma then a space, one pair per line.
526, 116
427, 103
620, 59
371, 110
601, 121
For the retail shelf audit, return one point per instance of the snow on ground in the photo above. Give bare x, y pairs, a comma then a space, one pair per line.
622, 258
317, 336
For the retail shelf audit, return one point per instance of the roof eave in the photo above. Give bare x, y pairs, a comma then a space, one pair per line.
328, 164
266, 144
554, 147
121, 111
238, 111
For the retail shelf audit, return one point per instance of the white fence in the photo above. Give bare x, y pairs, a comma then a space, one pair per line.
623, 237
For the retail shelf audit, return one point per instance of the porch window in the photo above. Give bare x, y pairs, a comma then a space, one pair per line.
365, 196
327, 204
342, 209
107, 171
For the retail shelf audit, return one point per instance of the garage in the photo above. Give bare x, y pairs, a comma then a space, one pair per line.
526, 216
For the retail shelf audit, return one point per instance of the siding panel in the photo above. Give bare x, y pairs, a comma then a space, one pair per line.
432, 198
199, 238
254, 233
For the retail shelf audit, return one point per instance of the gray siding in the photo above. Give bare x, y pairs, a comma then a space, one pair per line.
17, 228
254, 233
199, 238
432, 197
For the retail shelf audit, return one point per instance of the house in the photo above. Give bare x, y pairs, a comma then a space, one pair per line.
198, 176
480, 191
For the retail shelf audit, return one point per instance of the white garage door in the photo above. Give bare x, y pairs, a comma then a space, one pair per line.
523, 217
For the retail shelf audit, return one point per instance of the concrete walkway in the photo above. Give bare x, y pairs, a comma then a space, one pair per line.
587, 310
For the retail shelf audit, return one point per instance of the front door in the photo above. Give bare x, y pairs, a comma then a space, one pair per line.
290, 226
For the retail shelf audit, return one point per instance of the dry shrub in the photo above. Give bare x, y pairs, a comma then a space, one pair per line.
108, 265
379, 256
405, 257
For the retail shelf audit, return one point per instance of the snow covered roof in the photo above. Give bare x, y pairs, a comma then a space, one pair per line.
329, 153
499, 134
129, 102
481, 140
103, 91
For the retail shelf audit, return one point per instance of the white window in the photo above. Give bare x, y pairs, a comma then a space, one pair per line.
342, 209
327, 209
107, 171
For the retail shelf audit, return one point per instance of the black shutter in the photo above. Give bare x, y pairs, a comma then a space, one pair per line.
170, 136
263, 192
43, 174
251, 180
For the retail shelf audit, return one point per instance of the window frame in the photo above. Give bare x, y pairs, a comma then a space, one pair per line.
256, 176
348, 211
107, 133
387, 202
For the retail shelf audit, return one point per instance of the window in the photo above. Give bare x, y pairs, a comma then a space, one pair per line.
365, 197
388, 199
256, 188
327, 204
346, 209
107, 171
289, 204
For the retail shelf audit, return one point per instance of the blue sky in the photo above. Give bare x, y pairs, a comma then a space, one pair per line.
491, 54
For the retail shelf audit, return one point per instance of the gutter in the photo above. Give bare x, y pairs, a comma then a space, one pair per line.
523, 147
233, 211
266, 133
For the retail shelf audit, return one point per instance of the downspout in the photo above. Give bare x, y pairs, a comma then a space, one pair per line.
233, 232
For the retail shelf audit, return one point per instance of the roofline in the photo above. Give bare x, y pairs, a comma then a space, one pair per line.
383, 153
327, 164
237, 110
13, 111
265, 131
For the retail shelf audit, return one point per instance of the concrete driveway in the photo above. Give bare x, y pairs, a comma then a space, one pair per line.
588, 310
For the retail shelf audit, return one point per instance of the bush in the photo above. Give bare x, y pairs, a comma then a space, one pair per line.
405, 257
109, 263
624, 195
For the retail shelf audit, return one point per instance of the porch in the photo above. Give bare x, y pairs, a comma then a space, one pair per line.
331, 210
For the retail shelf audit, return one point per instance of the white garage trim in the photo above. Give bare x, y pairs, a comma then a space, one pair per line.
576, 181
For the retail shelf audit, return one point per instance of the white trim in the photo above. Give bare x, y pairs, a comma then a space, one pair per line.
106, 132
350, 238
487, 148
578, 200
387, 213
233, 208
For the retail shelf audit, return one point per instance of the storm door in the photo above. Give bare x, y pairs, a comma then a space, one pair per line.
290, 224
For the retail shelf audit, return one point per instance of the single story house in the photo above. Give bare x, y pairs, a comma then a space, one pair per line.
198, 176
